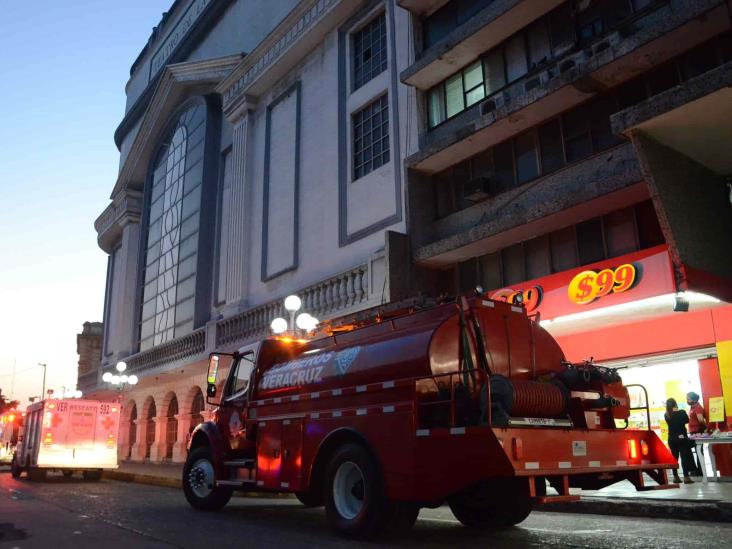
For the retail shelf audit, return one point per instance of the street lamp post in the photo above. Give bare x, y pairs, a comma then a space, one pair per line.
43, 392
120, 380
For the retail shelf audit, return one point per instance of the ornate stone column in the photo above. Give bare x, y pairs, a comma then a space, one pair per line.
184, 428
139, 448
157, 450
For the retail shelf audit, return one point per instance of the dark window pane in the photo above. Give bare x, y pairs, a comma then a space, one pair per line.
539, 46
564, 250
503, 161
490, 271
513, 264
561, 29
631, 93
600, 111
577, 140
369, 51
445, 203
454, 95
439, 24
538, 257
590, 244
468, 275
649, 231
725, 47
550, 141
663, 78
494, 70
700, 60
620, 232
371, 137
516, 65
481, 165
527, 166
437, 105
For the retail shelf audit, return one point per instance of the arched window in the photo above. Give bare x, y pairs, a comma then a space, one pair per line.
150, 433
196, 408
171, 244
171, 427
133, 430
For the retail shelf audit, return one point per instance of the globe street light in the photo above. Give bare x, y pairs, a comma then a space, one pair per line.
121, 366
303, 321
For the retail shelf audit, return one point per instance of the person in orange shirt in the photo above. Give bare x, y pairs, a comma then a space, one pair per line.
697, 421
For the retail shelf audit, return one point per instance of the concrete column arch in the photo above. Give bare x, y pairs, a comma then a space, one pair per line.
145, 432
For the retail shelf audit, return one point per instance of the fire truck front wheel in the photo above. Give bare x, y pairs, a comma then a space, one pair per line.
15, 468
492, 504
199, 482
355, 503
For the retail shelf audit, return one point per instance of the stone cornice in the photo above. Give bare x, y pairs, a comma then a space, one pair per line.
175, 82
289, 42
125, 208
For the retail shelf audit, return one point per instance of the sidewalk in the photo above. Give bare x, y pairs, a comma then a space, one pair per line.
699, 501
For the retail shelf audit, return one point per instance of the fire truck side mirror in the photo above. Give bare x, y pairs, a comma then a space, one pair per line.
213, 369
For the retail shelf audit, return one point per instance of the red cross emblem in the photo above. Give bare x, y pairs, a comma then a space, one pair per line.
107, 423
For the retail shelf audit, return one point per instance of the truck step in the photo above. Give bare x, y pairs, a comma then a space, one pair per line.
241, 463
239, 483
538, 422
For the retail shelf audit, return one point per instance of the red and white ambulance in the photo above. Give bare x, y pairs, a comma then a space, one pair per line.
68, 435
10, 424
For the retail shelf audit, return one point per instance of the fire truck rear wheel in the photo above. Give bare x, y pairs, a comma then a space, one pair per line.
355, 503
92, 475
199, 482
37, 475
15, 469
492, 504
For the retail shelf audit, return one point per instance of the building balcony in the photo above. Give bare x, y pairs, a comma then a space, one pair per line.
491, 26
596, 186
639, 45
421, 7
694, 118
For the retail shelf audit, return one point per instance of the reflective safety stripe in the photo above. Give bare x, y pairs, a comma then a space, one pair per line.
337, 413
457, 431
361, 412
361, 389
423, 432
315, 415
277, 400
260, 483
489, 304
531, 464
594, 464
314, 395
336, 392
285, 484
621, 463
388, 409
516, 309
388, 385
565, 464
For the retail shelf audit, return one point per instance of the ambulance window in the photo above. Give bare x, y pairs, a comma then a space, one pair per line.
243, 374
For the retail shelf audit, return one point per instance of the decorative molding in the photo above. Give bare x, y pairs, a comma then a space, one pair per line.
188, 347
281, 41
125, 208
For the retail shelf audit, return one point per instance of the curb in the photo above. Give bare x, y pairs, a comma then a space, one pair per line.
168, 482
709, 511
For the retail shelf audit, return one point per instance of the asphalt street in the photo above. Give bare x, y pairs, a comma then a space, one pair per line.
64, 512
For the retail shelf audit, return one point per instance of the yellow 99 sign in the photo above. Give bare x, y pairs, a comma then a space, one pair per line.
587, 286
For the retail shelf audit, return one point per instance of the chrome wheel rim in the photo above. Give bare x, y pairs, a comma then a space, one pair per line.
201, 478
348, 490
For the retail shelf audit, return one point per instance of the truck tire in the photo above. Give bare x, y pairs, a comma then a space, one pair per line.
492, 504
199, 482
355, 503
37, 475
15, 469
92, 475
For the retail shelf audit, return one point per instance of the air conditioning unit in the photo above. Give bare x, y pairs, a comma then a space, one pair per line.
491, 104
609, 41
537, 80
476, 189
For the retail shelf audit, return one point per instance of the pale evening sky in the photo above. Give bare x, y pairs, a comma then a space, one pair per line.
63, 68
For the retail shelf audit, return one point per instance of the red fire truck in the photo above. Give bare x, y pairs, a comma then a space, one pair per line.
469, 402
67, 435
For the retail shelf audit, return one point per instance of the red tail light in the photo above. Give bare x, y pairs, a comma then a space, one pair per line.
633, 448
645, 450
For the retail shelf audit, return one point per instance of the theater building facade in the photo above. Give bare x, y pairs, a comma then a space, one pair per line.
260, 156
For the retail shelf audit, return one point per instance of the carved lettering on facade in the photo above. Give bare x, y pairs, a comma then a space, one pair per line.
175, 37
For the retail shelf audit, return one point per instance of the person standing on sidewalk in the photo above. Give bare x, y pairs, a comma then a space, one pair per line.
678, 439
697, 425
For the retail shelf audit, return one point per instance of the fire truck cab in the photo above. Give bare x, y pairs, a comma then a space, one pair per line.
469, 402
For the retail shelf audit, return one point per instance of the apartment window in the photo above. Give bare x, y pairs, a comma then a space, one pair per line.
540, 50
577, 138
371, 137
590, 245
550, 143
495, 71
514, 270
450, 16
527, 161
563, 250
369, 51
516, 61
473, 83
